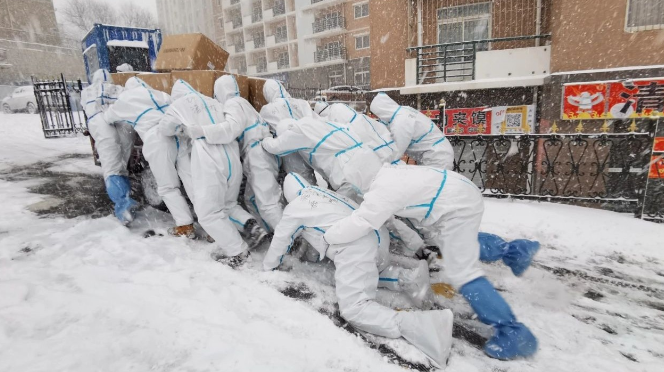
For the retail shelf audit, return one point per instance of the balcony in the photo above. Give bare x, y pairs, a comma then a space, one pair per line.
235, 22
256, 16
279, 8
259, 42
329, 54
486, 60
280, 37
327, 24
239, 47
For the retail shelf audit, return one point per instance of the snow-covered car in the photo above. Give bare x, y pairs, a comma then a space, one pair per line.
22, 99
341, 93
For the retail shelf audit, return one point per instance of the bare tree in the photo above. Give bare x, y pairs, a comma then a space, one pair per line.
83, 14
136, 16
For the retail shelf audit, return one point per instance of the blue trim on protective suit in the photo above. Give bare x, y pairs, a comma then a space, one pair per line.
393, 115
422, 137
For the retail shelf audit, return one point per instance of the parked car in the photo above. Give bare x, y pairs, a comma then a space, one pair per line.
342, 93
22, 99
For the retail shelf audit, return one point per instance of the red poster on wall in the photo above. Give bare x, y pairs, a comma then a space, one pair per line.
659, 144
656, 167
475, 120
623, 99
584, 101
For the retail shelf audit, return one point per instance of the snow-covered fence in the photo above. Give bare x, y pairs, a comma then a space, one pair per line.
610, 170
59, 108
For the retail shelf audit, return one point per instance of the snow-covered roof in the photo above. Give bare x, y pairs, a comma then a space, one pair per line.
128, 43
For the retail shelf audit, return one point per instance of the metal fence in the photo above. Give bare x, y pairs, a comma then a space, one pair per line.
58, 104
608, 170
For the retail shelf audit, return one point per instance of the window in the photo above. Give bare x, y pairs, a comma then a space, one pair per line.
362, 78
645, 15
361, 10
336, 78
465, 23
362, 41
221, 22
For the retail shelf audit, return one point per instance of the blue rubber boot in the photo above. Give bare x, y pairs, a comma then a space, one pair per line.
119, 190
511, 339
517, 254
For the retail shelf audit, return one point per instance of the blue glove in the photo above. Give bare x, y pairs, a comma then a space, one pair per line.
517, 254
511, 339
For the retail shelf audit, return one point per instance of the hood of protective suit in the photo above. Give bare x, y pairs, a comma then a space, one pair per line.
101, 76
273, 90
322, 108
341, 113
125, 67
134, 82
293, 185
225, 88
180, 89
384, 107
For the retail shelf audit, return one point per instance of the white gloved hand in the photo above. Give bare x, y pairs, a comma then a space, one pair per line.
194, 132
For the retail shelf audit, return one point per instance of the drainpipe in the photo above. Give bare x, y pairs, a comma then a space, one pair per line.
538, 22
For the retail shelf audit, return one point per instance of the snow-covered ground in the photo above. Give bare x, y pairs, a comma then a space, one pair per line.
84, 293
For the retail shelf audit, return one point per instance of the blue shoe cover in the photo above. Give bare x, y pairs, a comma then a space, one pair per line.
511, 339
511, 342
119, 189
517, 254
520, 254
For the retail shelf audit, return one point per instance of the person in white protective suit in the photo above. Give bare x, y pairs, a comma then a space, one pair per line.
449, 208
216, 171
114, 142
246, 126
143, 107
373, 134
414, 134
282, 106
310, 212
321, 108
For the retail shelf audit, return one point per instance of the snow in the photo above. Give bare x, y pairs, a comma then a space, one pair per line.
86, 293
128, 43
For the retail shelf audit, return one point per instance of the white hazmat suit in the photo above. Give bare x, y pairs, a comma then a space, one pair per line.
216, 169
282, 106
246, 126
310, 212
143, 108
414, 134
373, 134
449, 207
332, 149
114, 142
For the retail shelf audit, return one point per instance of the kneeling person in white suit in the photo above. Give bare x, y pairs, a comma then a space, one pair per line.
310, 212
449, 207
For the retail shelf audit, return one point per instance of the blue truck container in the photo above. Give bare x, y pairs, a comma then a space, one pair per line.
107, 47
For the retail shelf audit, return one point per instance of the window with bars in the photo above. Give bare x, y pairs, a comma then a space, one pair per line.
361, 10
281, 34
362, 41
465, 23
645, 15
336, 78
283, 60
261, 64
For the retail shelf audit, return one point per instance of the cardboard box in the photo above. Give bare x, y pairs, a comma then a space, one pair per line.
120, 78
203, 81
256, 92
190, 52
159, 81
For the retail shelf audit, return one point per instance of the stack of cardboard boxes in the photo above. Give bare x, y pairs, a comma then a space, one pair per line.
200, 62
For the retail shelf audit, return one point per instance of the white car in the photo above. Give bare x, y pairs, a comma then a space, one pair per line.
22, 99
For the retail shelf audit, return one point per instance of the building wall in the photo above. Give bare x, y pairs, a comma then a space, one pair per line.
588, 36
181, 17
218, 22
389, 39
30, 44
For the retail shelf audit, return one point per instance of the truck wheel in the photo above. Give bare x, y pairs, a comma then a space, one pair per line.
31, 108
6, 109
149, 187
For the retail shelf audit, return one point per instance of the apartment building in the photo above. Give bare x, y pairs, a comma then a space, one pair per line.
31, 45
475, 53
307, 43
182, 17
